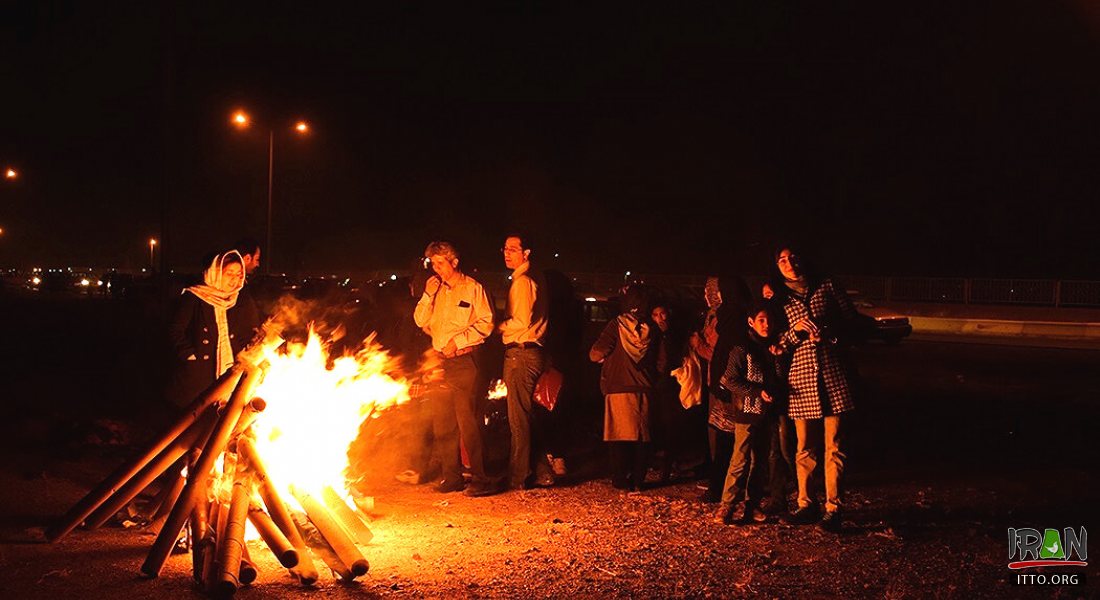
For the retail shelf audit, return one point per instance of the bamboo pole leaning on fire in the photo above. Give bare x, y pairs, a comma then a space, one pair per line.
197, 434
231, 545
333, 532
210, 566
355, 526
278, 543
305, 570
80, 511
168, 488
248, 416
320, 547
196, 483
200, 526
179, 479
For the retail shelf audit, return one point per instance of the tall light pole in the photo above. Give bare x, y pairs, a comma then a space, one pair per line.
10, 173
241, 120
152, 245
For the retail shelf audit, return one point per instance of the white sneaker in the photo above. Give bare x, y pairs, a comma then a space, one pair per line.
557, 465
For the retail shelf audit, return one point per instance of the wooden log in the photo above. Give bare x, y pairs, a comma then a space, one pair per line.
200, 527
305, 571
355, 526
153, 509
320, 547
274, 538
209, 556
196, 483
170, 498
171, 455
333, 533
210, 567
248, 416
231, 545
98, 495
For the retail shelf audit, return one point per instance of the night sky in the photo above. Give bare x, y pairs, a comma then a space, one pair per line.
905, 139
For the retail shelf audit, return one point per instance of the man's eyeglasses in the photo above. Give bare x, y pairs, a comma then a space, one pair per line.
507, 250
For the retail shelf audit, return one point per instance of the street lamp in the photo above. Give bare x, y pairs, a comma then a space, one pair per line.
152, 244
11, 173
241, 120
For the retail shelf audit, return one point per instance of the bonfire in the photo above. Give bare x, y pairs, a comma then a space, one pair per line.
262, 453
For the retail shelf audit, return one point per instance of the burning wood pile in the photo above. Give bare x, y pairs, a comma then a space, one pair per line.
265, 445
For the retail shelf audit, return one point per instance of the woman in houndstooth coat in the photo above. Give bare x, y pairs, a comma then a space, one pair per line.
820, 380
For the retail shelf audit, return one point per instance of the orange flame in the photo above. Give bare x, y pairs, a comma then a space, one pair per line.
314, 412
498, 390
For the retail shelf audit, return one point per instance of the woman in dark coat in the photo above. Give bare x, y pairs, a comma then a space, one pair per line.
631, 356
209, 328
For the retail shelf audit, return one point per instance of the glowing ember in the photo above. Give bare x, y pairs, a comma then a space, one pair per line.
314, 412
498, 390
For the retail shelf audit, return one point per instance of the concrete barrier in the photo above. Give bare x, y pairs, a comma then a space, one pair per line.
996, 328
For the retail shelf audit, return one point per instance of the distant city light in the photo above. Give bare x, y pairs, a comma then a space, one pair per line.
590, 299
36, 280
85, 283
393, 277
556, 255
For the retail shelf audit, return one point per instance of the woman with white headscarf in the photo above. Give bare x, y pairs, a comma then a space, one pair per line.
209, 328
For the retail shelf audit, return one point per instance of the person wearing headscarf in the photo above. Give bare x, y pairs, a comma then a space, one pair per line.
209, 327
631, 356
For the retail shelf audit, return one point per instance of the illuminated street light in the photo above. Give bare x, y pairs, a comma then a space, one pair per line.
152, 245
241, 120
10, 173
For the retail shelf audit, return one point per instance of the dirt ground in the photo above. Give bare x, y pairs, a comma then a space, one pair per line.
902, 540
953, 444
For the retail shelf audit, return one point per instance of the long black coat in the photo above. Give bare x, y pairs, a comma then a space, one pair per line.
194, 332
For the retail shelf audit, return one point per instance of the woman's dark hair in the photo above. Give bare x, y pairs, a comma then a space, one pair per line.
760, 306
636, 298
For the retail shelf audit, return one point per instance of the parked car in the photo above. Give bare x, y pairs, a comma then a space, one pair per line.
888, 325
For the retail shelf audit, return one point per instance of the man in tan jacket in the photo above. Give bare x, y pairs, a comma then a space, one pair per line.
456, 313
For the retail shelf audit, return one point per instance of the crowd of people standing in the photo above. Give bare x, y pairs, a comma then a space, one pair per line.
764, 383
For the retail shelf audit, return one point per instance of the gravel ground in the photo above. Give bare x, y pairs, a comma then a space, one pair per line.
902, 540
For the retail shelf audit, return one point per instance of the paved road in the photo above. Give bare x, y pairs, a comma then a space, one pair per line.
975, 403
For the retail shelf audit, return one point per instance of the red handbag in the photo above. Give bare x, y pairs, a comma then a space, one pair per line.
548, 387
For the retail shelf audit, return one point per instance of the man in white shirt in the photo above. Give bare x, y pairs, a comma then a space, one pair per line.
523, 332
456, 313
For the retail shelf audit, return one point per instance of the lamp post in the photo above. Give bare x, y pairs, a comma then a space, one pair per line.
241, 120
10, 173
152, 245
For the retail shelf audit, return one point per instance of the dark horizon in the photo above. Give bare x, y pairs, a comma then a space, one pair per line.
894, 140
